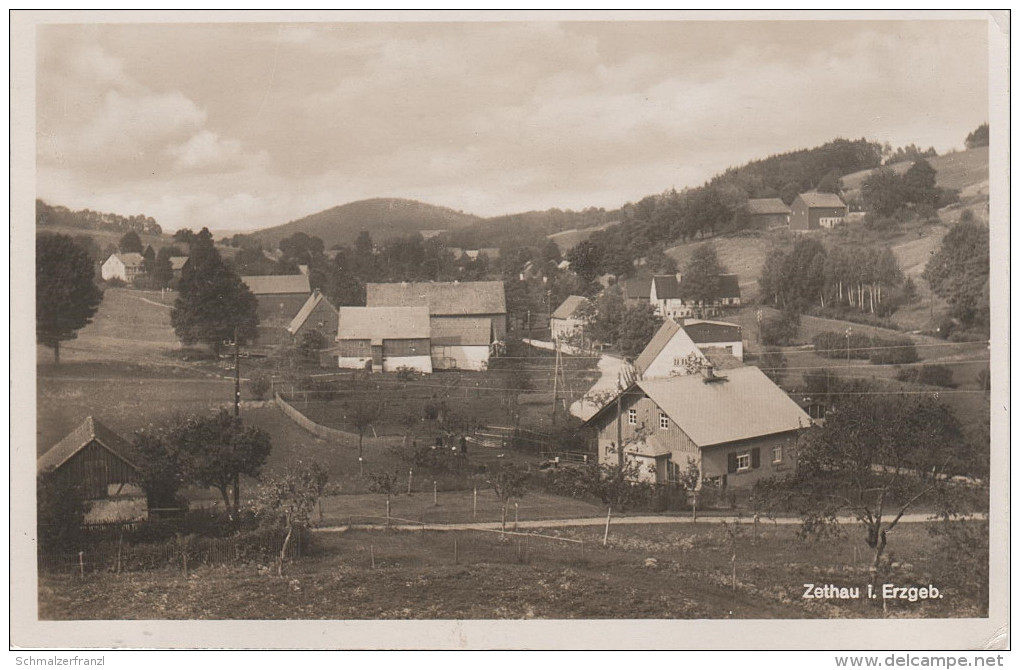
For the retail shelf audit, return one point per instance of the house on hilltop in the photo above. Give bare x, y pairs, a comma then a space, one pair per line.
123, 266
460, 315
737, 427
814, 211
280, 297
768, 213
94, 459
671, 299
382, 339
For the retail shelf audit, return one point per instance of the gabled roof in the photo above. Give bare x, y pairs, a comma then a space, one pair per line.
728, 286
707, 332
441, 298
306, 311
666, 287
662, 336
79, 438
130, 258
815, 199
569, 306
177, 262
382, 323
637, 289
720, 358
277, 284
469, 332
767, 206
740, 405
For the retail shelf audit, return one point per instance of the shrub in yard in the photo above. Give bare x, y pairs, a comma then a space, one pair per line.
893, 350
259, 385
933, 375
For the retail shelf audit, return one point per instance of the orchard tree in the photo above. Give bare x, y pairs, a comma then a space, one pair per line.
291, 498
214, 303
701, 274
362, 414
638, 325
66, 296
509, 482
876, 459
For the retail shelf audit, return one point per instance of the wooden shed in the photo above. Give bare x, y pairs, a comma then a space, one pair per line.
94, 458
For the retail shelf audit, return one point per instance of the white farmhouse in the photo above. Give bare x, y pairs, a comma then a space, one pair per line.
124, 267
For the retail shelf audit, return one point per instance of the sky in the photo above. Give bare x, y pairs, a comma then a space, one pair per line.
239, 126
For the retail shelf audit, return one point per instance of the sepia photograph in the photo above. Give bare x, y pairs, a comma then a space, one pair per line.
648, 326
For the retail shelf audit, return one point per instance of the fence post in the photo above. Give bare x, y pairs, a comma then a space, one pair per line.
371, 551
435, 494
81, 563
474, 506
516, 514
456, 558
120, 546
410, 475
609, 515
387, 511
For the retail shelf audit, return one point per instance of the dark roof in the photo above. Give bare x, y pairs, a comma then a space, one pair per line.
442, 298
637, 288
666, 331
666, 287
79, 438
707, 332
278, 284
569, 307
767, 206
815, 199
727, 287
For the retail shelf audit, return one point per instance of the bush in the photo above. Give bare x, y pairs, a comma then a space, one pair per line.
780, 330
892, 351
832, 344
259, 385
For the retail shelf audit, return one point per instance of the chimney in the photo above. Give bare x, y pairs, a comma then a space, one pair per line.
708, 371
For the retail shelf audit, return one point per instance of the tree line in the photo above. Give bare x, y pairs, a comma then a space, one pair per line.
87, 219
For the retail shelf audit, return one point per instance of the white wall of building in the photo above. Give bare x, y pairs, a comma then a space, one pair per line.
113, 268
419, 363
353, 363
460, 357
680, 346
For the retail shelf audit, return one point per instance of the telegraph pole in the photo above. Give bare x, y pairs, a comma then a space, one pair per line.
237, 375
556, 379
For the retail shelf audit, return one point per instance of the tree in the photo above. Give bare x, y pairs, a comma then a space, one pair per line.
161, 468
978, 137
875, 459
701, 275
66, 296
958, 272
130, 243
385, 483
830, 183
919, 184
291, 497
509, 482
638, 325
551, 252
216, 451
883, 192
301, 248
214, 303
773, 364
362, 414
60, 512
586, 260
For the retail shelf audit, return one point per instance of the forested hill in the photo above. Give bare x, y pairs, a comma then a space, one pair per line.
383, 217
527, 228
85, 219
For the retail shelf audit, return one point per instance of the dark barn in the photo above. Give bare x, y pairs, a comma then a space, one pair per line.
93, 458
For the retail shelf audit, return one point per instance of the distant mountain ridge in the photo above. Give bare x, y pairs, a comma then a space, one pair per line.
382, 217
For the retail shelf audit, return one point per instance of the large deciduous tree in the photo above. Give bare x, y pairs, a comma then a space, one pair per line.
701, 274
214, 303
958, 272
66, 295
130, 242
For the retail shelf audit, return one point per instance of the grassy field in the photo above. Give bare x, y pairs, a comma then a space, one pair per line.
956, 170
670, 572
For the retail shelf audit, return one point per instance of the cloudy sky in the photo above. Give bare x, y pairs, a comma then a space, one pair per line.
241, 126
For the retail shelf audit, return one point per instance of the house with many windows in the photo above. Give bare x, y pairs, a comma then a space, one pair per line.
737, 427
672, 299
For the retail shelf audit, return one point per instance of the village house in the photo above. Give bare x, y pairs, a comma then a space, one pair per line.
461, 314
280, 297
673, 344
317, 314
670, 299
93, 459
766, 213
177, 264
814, 211
636, 291
737, 427
124, 267
382, 339
564, 323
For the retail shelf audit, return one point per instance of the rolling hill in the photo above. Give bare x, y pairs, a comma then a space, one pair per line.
382, 217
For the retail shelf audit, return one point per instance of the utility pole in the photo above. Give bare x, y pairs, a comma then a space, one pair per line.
849, 330
237, 411
556, 379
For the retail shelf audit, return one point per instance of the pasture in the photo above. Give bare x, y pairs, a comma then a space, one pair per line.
681, 571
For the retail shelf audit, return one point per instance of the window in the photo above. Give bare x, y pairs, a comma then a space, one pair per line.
743, 462
777, 453
663, 421
632, 417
